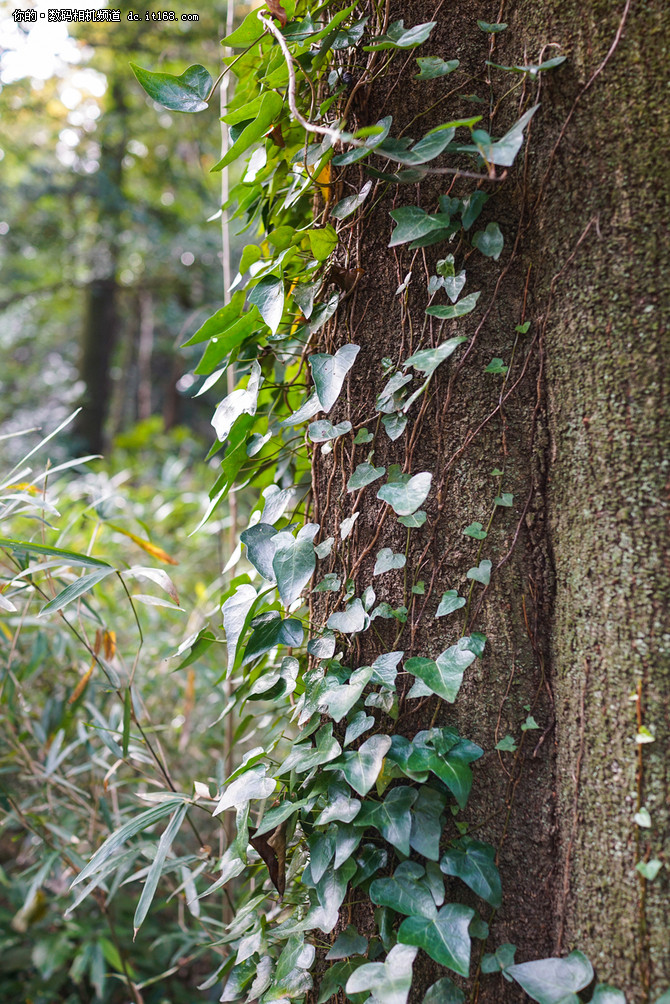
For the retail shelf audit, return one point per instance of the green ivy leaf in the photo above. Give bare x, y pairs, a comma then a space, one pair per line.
471, 208
445, 938
490, 241
305, 757
444, 675
293, 564
648, 869
269, 109
414, 521
348, 621
359, 724
496, 366
240, 402
474, 863
185, 93
361, 767
349, 205
252, 784
394, 425
491, 29
389, 981
506, 499
323, 431
339, 808
427, 822
329, 372
464, 306
350, 942
427, 360
248, 32
431, 67
397, 36
341, 697
405, 892
272, 633
405, 498
554, 981
475, 530
450, 602
322, 241
482, 573
506, 745
604, 994
387, 561
413, 222
364, 475
444, 991
504, 151
268, 296
391, 817
363, 436
501, 959
259, 541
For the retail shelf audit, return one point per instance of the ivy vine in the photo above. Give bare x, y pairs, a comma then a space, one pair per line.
332, 808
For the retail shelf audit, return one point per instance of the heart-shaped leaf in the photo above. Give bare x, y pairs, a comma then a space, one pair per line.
445, 938
364, 475
349, 621
405, 498
293, 564
405, 892
460, 309
474, 863
185, 93
273, 632
427, 360
268, 296
450, 602
443, 675
444, 991
604, 994
323, 430
240, 401
431, 67
350, 942
554, 981
252, 784
329, 372
387, 561
490, 241
482, 573
341, 697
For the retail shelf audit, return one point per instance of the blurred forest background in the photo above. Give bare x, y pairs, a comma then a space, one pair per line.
110, 247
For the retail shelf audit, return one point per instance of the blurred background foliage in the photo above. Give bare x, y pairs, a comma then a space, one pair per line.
109, 263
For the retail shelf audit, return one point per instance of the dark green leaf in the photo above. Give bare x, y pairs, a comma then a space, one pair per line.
268, 635
464, 306
361, 767
445, 938
450, 602
491, 29
427, 822
431, 67
350, 942
391, 817
490, 241
474, 863
444, 992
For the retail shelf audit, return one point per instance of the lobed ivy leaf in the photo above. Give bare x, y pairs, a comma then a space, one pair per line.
361, 767
427, 360
474, 863
391, 817
444, 991
364, 475
270, 634
495, 962
323, 430
431, 67
340, 698
348, 621
444, 675
397, 36
413, 521
490, 241
252, 784
604, 994
387, 561
427, 822
445, 938
413, 223
405, 892
449, 603
240, 401
349, 942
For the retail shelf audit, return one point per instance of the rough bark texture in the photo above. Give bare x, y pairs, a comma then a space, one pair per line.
574, 613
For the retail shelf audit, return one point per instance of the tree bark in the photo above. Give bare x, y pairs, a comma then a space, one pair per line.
576, 609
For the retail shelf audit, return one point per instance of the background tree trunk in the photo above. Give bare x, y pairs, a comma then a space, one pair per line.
574, 612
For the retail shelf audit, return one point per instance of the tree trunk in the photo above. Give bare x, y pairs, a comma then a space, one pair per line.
573, 615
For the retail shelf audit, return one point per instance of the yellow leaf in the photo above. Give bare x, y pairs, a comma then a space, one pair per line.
323, 179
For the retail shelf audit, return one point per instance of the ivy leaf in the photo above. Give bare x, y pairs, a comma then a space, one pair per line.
445, 939
324, 548
384, 668
397, 36
450, 602
364, 475
268, 635
506, 745
340, 808
490, 241
414, 521
464, 306
427, 822
413, 223
429, 752
475, 530
444, 991
235, 611
331, 890
501, 959
506, 499
323, 430
443, 675
347, 525
482, 573
474, 863
391, 817
491, 29
341, 698
350, 942
394, 425
431, 67
604, 994
252, 784
472, 207
293, 565
404, 892
345, 207
427, 360
554, 981
389, 981
387, 561
240, 401
453, 284
329, 372
359, 724
322, 241
348, 621
405, 498
305, 757
185, 93
268, 296
259, 541
361, 767
504, 151
268, 110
